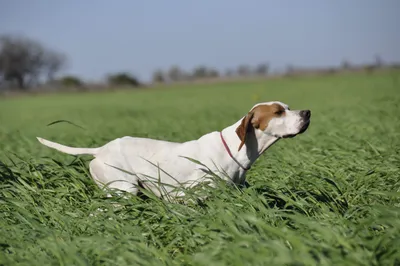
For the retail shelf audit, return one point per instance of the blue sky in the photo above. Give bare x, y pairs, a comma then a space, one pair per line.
102, 36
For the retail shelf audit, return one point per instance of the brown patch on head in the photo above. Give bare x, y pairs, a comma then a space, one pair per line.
258, 118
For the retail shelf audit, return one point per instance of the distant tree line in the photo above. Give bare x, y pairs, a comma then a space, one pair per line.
175, 73
26, 64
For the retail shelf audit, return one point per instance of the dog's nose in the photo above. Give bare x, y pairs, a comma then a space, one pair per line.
305, 114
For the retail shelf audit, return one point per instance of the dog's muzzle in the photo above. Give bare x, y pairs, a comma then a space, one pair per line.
305, 115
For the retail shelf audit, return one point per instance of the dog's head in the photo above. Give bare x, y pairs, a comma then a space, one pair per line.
274, 119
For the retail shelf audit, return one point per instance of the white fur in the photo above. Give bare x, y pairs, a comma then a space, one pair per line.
124, 162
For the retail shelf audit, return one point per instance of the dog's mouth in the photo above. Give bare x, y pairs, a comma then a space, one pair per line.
288, 136
304, 127
301, 131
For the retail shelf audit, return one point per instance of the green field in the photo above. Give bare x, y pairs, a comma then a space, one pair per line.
328, 197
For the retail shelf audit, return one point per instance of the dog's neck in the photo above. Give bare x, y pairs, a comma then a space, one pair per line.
256, 144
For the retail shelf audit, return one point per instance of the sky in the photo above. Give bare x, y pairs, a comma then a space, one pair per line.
100, 36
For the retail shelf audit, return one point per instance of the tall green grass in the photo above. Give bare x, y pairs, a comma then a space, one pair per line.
328, 197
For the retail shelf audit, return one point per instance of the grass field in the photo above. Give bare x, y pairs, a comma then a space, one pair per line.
328, 197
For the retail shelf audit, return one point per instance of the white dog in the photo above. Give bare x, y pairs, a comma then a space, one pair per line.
160, 166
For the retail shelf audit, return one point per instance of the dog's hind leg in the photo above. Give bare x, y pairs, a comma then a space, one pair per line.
106, 175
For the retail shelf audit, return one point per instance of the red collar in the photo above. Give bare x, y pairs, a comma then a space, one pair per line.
230, 154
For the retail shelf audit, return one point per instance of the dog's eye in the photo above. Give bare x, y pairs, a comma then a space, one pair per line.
279, 112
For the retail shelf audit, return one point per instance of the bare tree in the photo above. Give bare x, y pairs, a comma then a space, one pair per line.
176, 74
379, 61
229, 72
158, 76
24, 61
213, 73
345, 65
243, 70
200, 72
205, 72
262, 69
54, 62
290, 70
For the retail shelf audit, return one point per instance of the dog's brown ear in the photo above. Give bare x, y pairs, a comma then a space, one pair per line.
244, 128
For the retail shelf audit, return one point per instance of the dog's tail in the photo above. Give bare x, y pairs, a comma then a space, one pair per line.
68, 150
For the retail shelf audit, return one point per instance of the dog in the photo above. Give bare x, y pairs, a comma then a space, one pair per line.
130, 163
